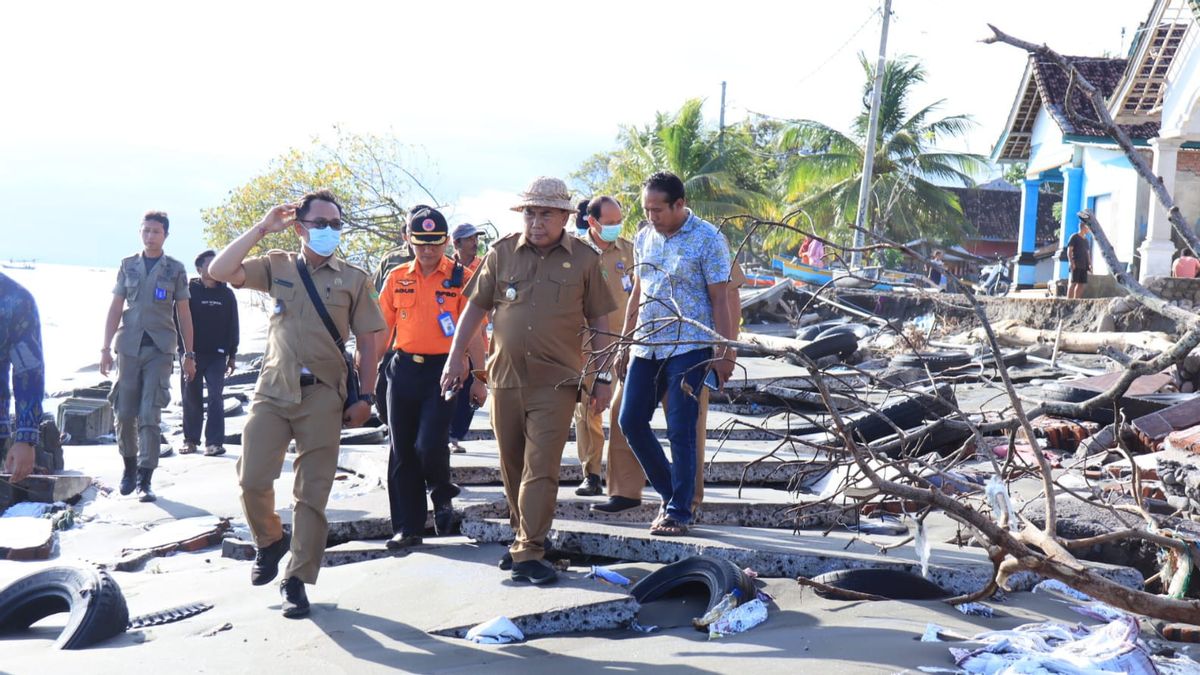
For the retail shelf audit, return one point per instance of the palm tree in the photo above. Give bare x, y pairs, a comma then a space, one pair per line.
823, 166
681, 144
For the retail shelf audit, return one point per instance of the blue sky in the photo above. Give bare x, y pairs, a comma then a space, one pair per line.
115, 108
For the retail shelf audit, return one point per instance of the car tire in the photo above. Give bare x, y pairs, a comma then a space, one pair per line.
935, 361
888, 583
91, 597
842, 345
720, 576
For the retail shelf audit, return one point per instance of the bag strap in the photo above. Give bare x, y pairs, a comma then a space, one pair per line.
456, 277
320, 306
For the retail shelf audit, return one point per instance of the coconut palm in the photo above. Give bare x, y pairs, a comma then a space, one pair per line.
823, 166
679, 143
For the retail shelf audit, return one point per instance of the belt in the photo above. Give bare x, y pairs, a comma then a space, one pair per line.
420, 358
308, 380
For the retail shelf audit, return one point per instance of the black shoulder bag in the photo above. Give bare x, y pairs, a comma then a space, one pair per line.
352, 384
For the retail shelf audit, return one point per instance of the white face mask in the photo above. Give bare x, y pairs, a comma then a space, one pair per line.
610, 233
323, 241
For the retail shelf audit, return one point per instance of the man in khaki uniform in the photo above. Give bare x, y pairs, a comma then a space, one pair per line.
151, 288
543, 287
603, 218
302, 389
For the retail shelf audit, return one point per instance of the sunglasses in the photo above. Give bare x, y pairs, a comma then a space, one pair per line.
321, 223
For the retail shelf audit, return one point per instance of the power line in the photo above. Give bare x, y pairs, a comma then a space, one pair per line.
839, 50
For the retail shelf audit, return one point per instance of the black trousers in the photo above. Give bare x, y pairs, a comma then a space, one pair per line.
419, 421
210, 371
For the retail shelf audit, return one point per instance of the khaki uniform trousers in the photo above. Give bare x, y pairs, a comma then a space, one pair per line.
625, 475
315, 423
142, 390
531, 425
589, 435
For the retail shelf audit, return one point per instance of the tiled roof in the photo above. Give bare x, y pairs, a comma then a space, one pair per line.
996, 214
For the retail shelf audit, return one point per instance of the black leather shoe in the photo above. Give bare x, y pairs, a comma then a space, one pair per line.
536, 572
506, 562
266, 561
129, 477
403, 541
590, 487
295, 599
617, 505
144, 493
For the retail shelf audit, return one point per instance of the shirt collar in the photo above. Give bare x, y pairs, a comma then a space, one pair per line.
586, 238
332, 261
563, 241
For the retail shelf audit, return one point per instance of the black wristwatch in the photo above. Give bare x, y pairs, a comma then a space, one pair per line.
369, 398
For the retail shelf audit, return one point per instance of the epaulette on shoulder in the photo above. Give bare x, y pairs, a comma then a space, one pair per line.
510, 235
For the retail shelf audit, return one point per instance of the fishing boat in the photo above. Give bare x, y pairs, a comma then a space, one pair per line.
792, 268
18, 264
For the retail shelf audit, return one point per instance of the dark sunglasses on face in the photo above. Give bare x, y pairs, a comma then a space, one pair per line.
321, 223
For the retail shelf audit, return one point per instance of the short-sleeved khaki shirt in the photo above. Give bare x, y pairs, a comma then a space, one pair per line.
616, 267
296, 336
540, 304
149, 302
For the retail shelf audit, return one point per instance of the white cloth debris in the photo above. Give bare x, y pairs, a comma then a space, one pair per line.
739, 619
931, 633
28, 509
1001, 503
498, 631
975, 609
1056, 586
924, 548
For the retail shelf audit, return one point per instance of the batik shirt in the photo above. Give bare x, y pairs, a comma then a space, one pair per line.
675, 273
20, 353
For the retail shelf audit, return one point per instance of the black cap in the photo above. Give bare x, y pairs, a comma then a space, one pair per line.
427, 225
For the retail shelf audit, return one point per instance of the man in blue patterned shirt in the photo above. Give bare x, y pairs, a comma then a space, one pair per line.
20, 352
679, 298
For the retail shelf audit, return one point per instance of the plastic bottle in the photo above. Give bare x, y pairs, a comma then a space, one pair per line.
727, 603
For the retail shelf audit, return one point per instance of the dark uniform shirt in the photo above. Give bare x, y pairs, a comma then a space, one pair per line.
20, 352
215, 327
150, 290
296, 336
391, 260
540, 303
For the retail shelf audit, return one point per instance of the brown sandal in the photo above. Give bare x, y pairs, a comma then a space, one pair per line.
668, 527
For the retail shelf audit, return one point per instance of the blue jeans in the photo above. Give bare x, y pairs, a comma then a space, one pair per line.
645, 383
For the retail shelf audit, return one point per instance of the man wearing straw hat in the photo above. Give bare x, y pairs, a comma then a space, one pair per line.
543, 287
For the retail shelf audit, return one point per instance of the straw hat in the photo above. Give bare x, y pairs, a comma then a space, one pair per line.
546, 192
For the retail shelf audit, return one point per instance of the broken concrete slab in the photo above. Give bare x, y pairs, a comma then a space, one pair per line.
26, 538
84, 420
958, 570
1151, 430
48, 489
186, 535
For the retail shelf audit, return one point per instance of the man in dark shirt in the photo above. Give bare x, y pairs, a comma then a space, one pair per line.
1079, 257
215, 321
20, 352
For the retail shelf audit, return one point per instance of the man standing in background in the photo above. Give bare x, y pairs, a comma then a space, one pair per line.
466, 253
20, 355
215, 320
151, 287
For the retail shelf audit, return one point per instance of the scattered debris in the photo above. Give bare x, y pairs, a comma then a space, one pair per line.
498, 631
26, 538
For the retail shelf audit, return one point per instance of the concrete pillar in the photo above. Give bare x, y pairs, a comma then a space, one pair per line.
1158, 249
1026, 275
1072, 202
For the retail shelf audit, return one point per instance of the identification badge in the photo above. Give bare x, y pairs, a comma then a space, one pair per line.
510, 294
446, 322
160, 293
627, 283
278, 306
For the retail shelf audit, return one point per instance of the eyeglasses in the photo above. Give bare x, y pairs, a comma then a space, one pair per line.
321, 223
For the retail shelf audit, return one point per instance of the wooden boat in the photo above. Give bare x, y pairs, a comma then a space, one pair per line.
792, 268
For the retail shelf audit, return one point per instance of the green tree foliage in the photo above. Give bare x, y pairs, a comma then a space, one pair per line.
718, 184
822, 167
1014, 173
374, 178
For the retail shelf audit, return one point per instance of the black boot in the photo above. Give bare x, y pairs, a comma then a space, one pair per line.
129, 478
590, 487
295, 600
144, 493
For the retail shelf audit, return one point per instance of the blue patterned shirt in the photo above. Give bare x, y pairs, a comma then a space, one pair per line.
20, 352
675, 273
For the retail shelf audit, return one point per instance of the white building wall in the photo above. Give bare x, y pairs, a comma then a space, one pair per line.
1111, 181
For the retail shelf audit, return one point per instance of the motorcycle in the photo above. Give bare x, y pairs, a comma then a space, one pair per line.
995, 279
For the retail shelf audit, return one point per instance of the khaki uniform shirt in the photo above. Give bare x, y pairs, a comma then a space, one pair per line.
149, 302
296, 336
391, 260
540, 304
616, 266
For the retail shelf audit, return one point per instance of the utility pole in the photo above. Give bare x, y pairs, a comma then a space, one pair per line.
721, 126
864, 192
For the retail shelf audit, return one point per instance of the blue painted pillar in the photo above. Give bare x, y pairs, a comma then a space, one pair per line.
1072, 203
1027, 239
